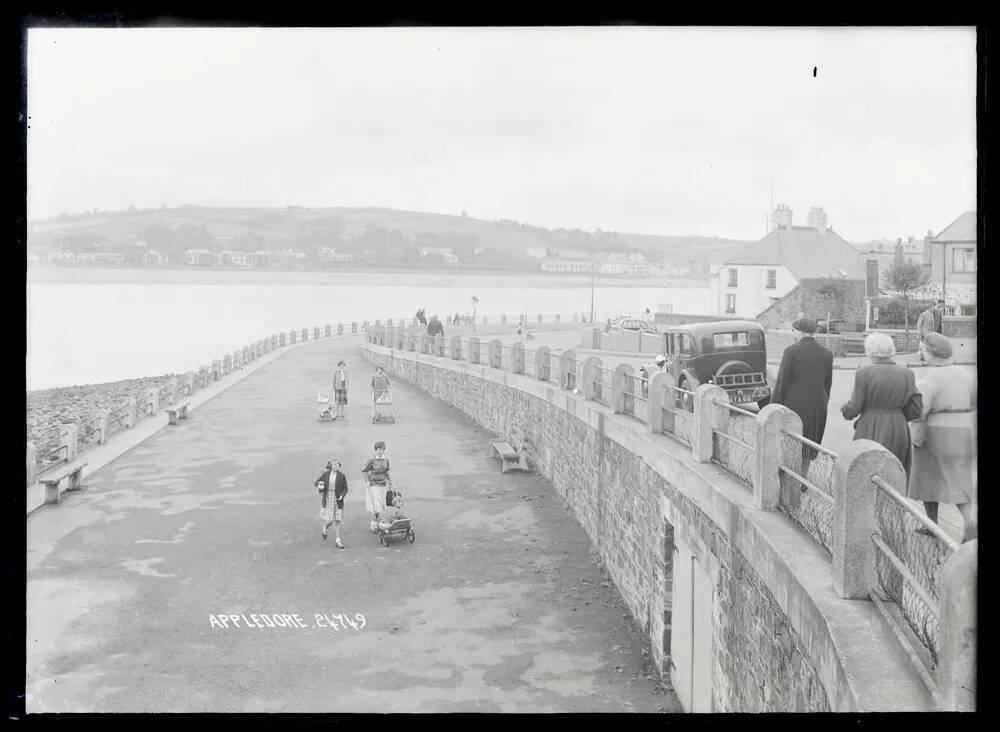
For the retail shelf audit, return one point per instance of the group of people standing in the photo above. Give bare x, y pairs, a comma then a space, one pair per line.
434, 326
927, 422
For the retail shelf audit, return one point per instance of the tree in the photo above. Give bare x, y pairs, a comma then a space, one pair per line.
901, 280
832, 293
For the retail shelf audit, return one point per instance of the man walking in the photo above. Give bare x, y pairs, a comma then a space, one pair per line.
930, 321
804, 381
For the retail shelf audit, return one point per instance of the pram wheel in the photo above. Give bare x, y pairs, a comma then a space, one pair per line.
410, 536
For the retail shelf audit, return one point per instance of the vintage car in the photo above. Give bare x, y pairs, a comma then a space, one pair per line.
729, 353
635, 324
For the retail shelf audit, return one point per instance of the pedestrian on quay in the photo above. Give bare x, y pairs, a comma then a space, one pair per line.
455, 319
332, 507
380, 384
943, 437
377, 483
930, 321
803, 383
434, 327
884, 400
340, 382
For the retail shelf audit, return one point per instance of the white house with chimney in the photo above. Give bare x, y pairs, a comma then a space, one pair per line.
759, 275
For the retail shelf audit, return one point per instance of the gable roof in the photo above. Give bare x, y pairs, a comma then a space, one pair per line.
805, 252
961, 229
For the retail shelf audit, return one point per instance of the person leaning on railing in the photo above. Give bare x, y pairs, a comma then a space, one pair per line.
944, 445
885, 398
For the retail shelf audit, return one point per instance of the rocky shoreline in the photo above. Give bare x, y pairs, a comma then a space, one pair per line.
47, 409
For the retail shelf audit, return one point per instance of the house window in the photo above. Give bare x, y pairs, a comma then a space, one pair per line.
772, 279
730, 303
968, 310
732, 278
963, 260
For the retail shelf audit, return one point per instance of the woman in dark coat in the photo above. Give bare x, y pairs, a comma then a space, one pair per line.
885, 398
804, 381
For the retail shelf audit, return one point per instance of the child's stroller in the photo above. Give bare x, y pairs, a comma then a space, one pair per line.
396, 525
325, 408
382, 406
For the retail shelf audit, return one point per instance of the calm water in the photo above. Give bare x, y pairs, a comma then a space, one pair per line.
92, 333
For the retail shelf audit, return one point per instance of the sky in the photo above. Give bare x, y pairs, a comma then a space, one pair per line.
644, 130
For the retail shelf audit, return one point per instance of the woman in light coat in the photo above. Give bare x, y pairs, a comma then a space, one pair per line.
944, 443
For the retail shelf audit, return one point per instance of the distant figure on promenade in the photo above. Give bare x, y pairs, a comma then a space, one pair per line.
421, 318
340, 382
434, 327
803, 383
930, 321
380, 384
377, 482
456, 318
332, 507
885, 399
647, 370
944, 443
607, 328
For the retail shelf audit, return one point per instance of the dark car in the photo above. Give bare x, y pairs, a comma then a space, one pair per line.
729, 353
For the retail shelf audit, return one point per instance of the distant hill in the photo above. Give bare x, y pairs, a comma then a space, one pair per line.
353, 228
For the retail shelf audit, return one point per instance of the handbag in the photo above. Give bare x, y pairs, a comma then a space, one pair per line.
914, 407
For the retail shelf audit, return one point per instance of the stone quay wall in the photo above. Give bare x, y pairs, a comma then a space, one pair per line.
769, 631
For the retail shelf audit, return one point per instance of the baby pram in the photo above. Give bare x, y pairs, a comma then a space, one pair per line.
382, 406
395, 525
325, 408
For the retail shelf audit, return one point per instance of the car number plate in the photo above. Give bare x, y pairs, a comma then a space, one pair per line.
746, 396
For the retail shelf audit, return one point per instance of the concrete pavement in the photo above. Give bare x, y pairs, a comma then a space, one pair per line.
499, 605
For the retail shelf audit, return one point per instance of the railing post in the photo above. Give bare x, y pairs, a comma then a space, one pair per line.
328, 331
589, 373
456, 347
658, 386
557, 317
772, 421
70, 440
187, 385
956, 675
517, 357
567, 374
854, 520
503, 319
316, 333
305, 335
227, 364
216, 369
202, 376
152, 405
473, 350
172, 390
622, 372
281, 339
539, 317
542, 362
31, 462
706, 419
131, 412
354, 327
293, 338
101, 417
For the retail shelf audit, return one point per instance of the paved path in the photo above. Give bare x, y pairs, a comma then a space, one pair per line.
499, 605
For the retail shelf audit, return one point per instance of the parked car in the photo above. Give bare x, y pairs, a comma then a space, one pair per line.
635, 324
729, 353
836, 326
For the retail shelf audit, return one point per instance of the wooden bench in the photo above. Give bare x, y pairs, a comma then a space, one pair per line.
177, 412
464, 320
51, 483
510, 458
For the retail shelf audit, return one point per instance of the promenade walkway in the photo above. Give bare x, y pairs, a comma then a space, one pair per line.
499, 605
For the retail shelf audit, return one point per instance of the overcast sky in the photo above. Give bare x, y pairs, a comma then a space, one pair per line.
648, 130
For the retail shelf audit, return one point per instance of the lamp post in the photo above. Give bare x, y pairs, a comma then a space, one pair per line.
591, 293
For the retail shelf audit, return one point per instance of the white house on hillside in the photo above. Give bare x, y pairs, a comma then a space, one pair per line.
761, 274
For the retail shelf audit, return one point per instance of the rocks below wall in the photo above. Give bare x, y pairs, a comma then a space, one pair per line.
49, 408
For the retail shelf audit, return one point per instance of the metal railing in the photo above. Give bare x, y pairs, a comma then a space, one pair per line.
807, 499
529, 362
604, 386
552, 367
677, 418
635, 402
908, 563
50, 452
89, 431
734, 446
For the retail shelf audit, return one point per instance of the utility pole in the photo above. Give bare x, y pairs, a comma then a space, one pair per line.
591, 292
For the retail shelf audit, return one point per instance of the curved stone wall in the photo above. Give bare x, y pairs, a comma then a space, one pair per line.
737, 601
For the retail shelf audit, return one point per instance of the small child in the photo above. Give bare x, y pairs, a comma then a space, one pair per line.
340, 388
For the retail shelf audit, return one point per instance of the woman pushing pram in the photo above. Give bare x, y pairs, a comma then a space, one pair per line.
379, 492
381, 397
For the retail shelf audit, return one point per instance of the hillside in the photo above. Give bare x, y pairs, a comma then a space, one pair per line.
348, 229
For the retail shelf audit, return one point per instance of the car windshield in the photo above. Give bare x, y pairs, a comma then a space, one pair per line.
731, 340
